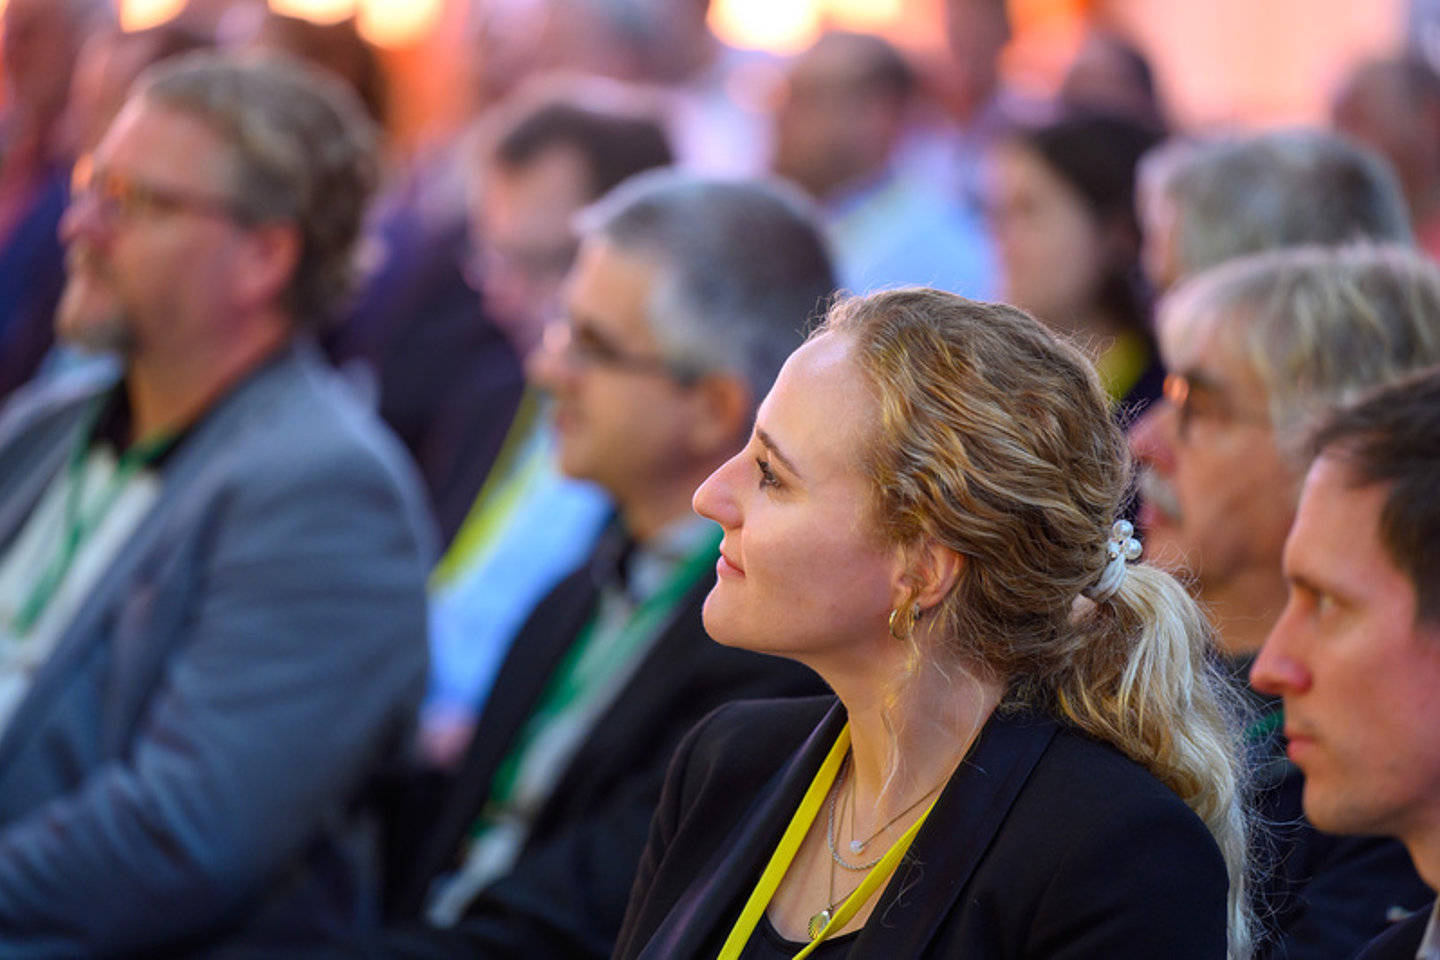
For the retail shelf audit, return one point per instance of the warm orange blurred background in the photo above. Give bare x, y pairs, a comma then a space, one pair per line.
1219, 62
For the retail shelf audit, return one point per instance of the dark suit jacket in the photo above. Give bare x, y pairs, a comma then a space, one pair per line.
448, 380
32, 275
1399, 942
1045, 843
567, 896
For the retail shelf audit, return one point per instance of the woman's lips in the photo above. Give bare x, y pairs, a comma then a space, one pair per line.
724, 567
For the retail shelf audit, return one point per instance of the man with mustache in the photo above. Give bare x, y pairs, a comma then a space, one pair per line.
1257, 348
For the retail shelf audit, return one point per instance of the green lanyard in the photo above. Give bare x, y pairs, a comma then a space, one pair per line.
574, 674
79, 524
790, 843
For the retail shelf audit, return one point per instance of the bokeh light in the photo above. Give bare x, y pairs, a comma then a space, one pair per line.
316, 11
398, 23
785, 26
140, 14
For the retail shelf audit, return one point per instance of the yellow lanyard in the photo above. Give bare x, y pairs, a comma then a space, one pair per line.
790, 843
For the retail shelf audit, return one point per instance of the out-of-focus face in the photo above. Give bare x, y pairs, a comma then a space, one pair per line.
1159, 239
152, 245
977, 31
40, 46
802, 571
833, 127
1052, 252
622, 420
521, 219
1358, 673
1218, 495
1373, 109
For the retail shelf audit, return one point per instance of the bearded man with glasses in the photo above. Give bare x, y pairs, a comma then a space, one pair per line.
1258, 348
211, 565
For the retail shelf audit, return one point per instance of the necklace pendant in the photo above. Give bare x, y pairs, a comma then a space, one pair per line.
857, 846
818, 923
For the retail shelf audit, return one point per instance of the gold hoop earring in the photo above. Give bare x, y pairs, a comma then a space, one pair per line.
900, 618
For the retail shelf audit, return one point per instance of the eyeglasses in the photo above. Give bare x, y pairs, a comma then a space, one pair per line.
119, 197
1195, 399
587, 347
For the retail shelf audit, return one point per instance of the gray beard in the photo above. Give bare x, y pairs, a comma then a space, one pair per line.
112, 335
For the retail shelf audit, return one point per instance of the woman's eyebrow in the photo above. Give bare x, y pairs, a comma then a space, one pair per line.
769, 444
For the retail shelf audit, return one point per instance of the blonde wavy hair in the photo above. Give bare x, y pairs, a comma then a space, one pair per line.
996, 439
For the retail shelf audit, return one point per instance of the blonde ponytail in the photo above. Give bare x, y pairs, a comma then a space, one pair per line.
1144, 679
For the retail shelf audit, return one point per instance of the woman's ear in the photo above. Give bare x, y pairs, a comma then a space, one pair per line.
931, 572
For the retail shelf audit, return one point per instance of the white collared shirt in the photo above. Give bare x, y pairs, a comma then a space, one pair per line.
32, 550
1430, 943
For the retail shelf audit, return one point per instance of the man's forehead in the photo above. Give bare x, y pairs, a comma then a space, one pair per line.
611, 284
1337, 520
1205, 346
191, 147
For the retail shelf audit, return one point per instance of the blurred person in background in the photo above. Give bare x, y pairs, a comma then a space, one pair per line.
1392, 105
337, 47
686, 295
1062, 207
1258, 348
947, 147
414, 338
538, 160
838, 125
1110, 74
712, 96
1202, 203
211, 564
42, 40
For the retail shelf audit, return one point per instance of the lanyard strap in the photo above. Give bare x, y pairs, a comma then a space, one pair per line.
790, 843
578, 670
521, 457
78, 524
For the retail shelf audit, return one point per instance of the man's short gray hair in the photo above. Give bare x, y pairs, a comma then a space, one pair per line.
1280, 189
1318, 325
302, 152
743, 268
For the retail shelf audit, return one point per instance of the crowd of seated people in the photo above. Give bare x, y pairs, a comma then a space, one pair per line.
685, 517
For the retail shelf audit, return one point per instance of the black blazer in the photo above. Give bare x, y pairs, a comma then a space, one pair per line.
1045, 843
567, 895
1399, 942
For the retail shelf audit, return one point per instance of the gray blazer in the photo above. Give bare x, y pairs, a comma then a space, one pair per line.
183, 774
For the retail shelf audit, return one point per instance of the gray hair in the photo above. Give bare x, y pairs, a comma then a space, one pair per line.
1280, 189
743, 268
1318, 325
302, 151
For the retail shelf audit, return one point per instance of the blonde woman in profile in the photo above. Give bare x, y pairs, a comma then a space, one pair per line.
1027, 756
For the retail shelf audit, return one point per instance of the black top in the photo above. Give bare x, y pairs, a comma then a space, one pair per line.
767, 944
1044, 844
